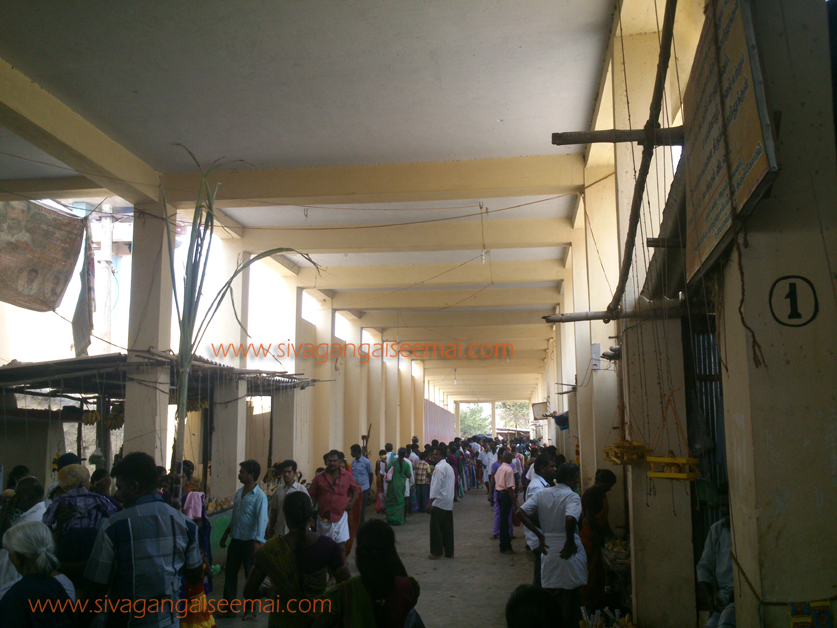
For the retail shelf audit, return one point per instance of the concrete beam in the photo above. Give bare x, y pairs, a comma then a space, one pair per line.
435, 299
388, 183
420, 353
401, 319
437, 378
281, 265
453, 334
38, 117
56, 188
458, 393
430, 236
501, 368
432, 275
499, 347
531, 363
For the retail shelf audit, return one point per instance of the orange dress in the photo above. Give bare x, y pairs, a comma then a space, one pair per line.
197, 613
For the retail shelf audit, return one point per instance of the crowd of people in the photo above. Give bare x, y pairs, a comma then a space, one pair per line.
76, 540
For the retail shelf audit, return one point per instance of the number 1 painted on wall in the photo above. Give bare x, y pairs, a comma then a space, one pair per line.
794, 305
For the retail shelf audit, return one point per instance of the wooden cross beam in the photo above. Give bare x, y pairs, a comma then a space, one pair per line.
658, 137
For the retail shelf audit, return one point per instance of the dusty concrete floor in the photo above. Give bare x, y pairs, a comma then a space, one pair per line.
475, 584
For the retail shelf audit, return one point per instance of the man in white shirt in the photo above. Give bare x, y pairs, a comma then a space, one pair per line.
442, 484
542, 476
486, 459
714, 570
286, 473
27, 505
414, 457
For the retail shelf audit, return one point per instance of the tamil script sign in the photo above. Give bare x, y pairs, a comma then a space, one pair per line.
39, 248
729, 149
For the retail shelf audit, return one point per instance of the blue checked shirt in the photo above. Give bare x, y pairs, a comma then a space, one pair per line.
141, 552
249, 518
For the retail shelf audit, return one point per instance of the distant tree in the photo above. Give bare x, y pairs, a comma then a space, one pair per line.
473, 421
516, 415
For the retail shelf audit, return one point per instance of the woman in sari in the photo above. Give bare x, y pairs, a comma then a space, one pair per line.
396, 487
298, 564
595, 531
382, 596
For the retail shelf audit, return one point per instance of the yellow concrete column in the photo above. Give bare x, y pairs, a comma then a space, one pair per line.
354, 423
327, 411
375, 397
603, 275
229, 423
457, 429
405, 400
583, 407
660, 521
149, 325
493, 419
780, 398
392, 379
418, 400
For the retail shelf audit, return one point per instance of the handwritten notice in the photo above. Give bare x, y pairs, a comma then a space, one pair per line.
729, 146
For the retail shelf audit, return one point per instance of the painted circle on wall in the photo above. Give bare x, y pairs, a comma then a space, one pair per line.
793, 301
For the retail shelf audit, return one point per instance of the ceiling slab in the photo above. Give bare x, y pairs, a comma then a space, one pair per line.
280, 85
47, 123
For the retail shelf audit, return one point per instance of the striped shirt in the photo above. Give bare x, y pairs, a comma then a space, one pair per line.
141, 552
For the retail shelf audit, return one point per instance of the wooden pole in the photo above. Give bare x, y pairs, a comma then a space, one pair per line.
647, 154
673, 136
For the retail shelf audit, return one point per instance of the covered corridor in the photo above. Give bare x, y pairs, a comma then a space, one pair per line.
441, 248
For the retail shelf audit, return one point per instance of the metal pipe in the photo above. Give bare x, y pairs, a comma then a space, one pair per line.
673, 136
607, 316
647, 154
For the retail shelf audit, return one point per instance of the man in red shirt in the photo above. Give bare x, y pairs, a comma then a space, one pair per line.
334, 492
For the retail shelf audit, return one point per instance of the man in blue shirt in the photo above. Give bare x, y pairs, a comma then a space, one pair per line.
362, 471
247, 528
